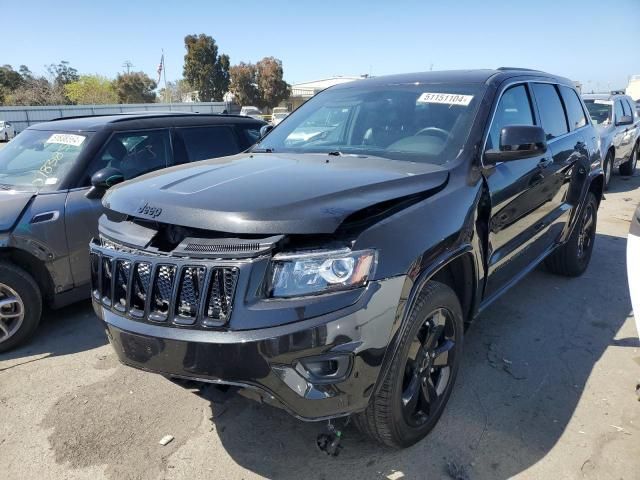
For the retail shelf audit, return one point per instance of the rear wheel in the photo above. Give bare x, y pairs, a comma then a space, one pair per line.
20, 306
418, 384
628, 168
6, 137
572, 258
608, 169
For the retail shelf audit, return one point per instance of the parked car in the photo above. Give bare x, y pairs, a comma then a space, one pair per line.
334, 276
253, 112
618, 125
49, 209
7, 131
278, 114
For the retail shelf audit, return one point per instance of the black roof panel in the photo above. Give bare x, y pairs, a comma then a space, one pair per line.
142, 120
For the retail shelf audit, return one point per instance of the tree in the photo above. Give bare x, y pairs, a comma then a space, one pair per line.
204, 69
135, 87
91, 89
243, 84
37, 91
175, 91
273, 89
62, 73
10, 80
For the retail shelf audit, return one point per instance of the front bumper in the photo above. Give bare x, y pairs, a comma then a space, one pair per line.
272, 361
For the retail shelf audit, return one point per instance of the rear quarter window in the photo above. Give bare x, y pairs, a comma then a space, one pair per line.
575, 112
551, 110
206, 142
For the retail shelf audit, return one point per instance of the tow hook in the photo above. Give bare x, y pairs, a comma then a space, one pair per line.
329, 442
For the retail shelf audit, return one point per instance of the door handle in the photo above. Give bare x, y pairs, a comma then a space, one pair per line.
545, 162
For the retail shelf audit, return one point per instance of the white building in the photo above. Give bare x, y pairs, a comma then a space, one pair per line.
301, 92
633, 89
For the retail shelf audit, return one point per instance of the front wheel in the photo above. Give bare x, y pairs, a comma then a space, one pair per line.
572, 258
628, 168
608, 169
418, 384
20, 306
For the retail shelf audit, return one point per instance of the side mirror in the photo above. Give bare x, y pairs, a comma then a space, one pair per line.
102, 180
517, 142
625, 120
265, 129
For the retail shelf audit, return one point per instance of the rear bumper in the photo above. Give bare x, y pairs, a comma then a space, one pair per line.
275, 361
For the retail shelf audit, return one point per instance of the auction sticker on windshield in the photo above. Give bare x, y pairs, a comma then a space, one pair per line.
445, 98
66, 139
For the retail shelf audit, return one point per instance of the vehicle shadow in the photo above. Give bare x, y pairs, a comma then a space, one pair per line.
68, 330
621, 183
526, 362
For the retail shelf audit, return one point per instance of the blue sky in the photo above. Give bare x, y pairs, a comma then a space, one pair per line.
577, 39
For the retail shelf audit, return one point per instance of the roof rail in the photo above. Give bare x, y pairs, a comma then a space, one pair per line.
82, 116
147, 114
519, 68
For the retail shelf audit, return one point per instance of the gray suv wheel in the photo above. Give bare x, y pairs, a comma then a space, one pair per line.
20, 306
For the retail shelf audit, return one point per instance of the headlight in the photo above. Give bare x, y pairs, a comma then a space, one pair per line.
294, 274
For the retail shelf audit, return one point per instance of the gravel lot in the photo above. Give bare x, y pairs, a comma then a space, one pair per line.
546, 390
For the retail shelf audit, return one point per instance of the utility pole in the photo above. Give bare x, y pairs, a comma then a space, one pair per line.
128, 65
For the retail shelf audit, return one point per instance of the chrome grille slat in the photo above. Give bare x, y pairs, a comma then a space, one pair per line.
152, 290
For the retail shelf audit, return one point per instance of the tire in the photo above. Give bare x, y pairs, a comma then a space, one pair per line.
389, 419
608, 169
20, 318
6, 137
572, 258
628, 168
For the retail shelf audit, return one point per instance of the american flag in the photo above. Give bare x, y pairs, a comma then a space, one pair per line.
160, 67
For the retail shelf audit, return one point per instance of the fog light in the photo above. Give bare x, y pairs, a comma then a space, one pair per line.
330, 368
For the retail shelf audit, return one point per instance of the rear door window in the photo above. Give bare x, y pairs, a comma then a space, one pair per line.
202, 143
575, 112
552, 115
514, 108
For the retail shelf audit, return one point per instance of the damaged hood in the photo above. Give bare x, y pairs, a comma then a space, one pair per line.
268, 193
12, 204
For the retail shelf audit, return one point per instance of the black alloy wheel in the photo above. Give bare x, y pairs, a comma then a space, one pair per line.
428, 369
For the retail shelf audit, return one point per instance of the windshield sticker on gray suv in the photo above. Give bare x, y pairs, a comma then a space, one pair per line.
66, 139
445, 98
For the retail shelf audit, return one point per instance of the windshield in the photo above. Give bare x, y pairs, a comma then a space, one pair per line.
600, 111
39, 160
416, 122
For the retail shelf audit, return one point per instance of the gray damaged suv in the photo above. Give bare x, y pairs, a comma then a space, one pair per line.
52, 177
618, 124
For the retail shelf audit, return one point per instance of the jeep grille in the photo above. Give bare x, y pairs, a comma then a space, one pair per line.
156, 290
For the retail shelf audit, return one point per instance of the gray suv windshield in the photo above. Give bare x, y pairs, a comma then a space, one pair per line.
420, 122
39, 160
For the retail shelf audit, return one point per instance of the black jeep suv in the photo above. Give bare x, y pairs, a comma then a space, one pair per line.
333, 268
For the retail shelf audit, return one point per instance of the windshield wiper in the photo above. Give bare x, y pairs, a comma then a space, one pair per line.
335, 153
262, 150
